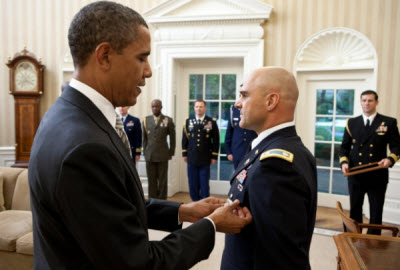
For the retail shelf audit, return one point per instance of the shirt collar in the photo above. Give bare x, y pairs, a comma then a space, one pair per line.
371, 118
268, 132
99, 101
201, 118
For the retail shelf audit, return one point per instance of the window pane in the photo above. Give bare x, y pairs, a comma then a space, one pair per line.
336, 150
325, 101
323, 129
222, 133
323, 154
214, 171
226, 169
196, 86
345, 101
339, 183
191, 108
212, 110
323, 180
229, 86
225, 111
212, 86
340, 125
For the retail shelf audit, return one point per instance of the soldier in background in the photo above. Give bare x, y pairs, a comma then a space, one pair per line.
365, 140
133, 130
200, 146
237, 139
157, 152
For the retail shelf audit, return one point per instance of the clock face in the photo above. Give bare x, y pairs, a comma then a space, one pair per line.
26, 78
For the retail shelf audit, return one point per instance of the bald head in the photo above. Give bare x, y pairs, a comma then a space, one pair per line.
272, 93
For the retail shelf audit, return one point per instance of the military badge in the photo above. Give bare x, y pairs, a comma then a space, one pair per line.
130, 124
241, 176
165, 122
208, 127
382, 129
240, 187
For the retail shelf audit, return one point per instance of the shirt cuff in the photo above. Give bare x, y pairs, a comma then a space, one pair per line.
212, 222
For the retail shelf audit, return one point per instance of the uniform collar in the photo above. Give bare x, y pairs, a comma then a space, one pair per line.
268, 132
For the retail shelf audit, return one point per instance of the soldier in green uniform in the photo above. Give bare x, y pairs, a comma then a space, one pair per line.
157, 152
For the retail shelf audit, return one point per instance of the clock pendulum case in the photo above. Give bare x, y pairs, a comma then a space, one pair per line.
26, 85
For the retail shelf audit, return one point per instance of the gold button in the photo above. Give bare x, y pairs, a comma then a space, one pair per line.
198, 130
198, 135
370, 155
360, 154
359, 163
198, 140
198, 144
371, 145
361, 145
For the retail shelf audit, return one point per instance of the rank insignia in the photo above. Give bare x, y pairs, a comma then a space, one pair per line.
277, 153
240, 187
241, 176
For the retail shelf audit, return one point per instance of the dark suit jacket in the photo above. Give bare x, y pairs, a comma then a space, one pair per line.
133, 130
281, 194
237, 139
361, 146
155, 145
200, 142
89, 211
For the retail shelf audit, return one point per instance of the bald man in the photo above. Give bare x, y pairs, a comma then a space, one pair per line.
276, 180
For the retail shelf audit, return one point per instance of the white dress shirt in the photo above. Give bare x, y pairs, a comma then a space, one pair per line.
268, 132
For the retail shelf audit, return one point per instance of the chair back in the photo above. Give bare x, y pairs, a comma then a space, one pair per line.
349, 224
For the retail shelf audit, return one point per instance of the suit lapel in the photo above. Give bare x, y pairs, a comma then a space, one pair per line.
78, 99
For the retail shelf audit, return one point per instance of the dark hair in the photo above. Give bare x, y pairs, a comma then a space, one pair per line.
369, 92
99, 22
200, 100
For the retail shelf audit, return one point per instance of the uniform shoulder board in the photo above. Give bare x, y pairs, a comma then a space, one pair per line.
277, 153
214, 119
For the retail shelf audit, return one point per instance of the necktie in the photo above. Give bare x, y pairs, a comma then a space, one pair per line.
367, 125
121, 133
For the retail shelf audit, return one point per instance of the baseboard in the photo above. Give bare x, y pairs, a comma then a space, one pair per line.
7, 156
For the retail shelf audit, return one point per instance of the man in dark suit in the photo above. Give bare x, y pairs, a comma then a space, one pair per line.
88, 206
157, 152
276, 180
365, 140
200, 147
133, 130
237, 139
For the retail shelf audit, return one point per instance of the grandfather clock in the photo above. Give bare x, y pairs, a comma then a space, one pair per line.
26, 85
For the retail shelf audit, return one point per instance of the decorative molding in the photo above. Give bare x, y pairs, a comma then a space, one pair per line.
7, 156
195, 12
336, 48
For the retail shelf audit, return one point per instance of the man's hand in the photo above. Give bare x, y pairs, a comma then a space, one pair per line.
194, 211
137, 158
345, 168
213, 161
231, 218
385, 163
230, 158
185, 159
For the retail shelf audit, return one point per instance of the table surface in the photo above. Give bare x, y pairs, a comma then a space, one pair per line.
365, 251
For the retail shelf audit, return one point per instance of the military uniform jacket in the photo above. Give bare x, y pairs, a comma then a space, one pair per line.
133, 130
277, 181
361, 146
155, 145
200, 142
237, 139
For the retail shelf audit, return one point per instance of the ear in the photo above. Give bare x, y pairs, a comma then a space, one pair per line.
272, 101
102, 54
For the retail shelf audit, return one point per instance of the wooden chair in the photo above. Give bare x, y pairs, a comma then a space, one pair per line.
350, 225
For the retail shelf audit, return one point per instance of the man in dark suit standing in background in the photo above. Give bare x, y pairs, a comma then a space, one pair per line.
276, 180
88, 206
365, 141
157, 152
200, 147
237, 139
133, 130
